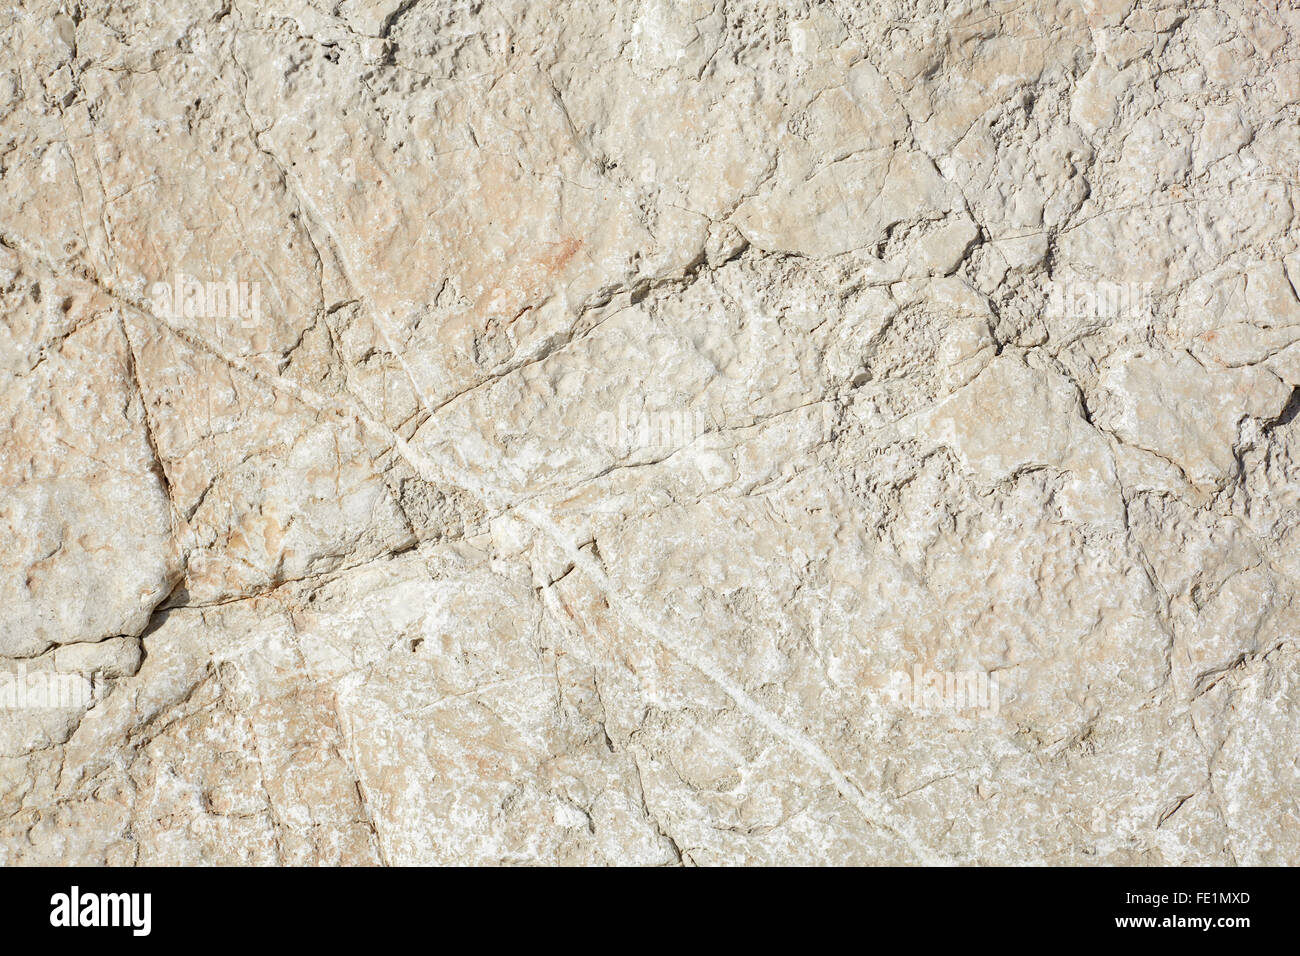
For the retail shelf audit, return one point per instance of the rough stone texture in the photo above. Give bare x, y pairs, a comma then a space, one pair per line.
635, 391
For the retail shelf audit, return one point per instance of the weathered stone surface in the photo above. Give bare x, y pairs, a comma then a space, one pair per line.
650, 432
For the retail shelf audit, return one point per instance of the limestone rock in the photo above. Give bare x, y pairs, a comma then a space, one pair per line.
649, 432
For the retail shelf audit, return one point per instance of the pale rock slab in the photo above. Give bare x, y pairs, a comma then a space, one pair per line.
649, 433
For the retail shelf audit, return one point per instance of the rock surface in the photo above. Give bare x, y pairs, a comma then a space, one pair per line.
650, 432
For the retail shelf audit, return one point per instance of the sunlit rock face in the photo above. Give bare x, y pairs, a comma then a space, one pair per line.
650, 432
